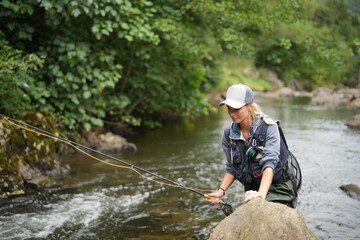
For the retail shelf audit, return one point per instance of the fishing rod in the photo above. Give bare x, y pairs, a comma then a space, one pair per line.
226, 208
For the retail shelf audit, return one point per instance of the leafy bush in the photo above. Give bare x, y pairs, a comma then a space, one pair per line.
318, 51
301, 51
16, 78
132, 62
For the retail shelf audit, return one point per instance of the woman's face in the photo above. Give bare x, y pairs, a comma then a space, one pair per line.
240, 114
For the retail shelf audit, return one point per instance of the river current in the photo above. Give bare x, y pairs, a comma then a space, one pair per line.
98, 201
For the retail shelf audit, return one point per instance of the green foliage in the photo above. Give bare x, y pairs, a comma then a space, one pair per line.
135, 62
237, 24
238, 70
85, 44
16, 78
129, 61
300, 51
317, 51
335, 15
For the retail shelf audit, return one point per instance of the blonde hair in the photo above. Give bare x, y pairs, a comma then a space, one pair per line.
255, 111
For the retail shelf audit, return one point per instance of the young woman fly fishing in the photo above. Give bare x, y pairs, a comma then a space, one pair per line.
256, 152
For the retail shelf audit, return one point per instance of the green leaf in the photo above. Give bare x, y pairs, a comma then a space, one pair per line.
97, 122
124, 25
129, 38
74, 99
87, 94
87, 126
75, 12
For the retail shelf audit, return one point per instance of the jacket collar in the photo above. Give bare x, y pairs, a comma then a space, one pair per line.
235, 131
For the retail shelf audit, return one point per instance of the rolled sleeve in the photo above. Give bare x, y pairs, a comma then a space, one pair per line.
226, 147
271, 151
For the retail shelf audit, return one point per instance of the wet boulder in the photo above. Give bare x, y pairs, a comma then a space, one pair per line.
354, 121
284, 93
107, 142
348, 95
355, 104
326, 97
260, 219
351, 190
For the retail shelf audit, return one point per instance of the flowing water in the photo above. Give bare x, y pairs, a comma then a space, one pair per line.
98, 201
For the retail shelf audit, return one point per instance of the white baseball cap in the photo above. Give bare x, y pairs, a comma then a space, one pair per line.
237, 96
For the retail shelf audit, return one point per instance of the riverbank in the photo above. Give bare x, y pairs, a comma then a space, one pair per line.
31, 161
266, 83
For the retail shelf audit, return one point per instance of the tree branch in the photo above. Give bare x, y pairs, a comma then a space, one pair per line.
134, 105
128, 70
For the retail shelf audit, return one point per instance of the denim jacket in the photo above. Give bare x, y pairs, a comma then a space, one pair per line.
270, 153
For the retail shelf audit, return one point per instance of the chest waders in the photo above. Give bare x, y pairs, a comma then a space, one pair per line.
246, 156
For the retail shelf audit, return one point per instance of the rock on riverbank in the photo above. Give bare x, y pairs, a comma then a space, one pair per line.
28, 160
259, 219
107, 142
354, 121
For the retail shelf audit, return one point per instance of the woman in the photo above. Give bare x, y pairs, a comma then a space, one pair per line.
252, 148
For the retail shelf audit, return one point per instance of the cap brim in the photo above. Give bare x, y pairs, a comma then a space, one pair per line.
232, 103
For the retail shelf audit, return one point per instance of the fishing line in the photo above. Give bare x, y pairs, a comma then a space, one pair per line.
226, 208
89, 155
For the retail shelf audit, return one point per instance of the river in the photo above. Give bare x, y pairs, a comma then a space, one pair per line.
98, 201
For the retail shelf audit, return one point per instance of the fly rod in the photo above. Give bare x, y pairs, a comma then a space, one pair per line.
226, 208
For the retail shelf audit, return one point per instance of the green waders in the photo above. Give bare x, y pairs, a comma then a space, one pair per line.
280, 192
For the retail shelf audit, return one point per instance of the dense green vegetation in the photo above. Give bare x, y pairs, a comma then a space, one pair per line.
353, 5
320, 50
87, 62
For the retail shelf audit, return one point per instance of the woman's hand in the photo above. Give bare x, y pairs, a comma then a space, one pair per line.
265, 183
215, 198
249, 195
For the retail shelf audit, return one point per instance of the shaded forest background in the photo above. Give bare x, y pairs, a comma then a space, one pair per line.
87, 63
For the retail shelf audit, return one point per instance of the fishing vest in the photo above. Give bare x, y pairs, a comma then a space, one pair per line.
246, 156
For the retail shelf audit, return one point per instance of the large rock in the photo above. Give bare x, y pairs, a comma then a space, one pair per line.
271, 77
351, 190
326, 97
355, 104
29, 160
259, 219
349, 94
354, 121
107, 142
284, 93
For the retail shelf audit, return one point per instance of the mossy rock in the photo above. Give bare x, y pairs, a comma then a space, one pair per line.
26, 155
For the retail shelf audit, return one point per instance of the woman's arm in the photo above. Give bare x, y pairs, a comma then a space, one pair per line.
214, 198
271, 151
265, 183
269, 160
